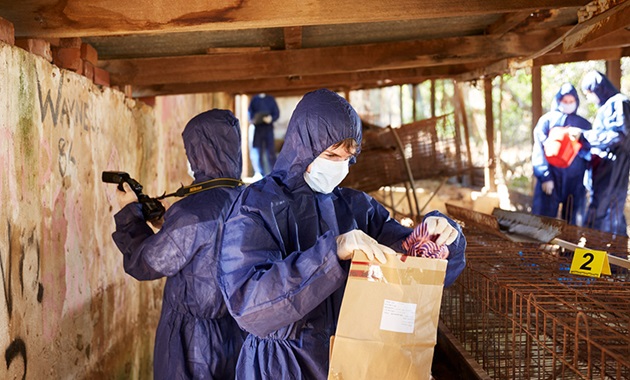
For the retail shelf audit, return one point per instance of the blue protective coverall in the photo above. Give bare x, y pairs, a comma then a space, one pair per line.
569, 189
196, 336
610, 149
263, 144
280, 274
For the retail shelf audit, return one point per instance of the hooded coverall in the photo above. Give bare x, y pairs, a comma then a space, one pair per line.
610, 149
280, 273
196, 336
568, 189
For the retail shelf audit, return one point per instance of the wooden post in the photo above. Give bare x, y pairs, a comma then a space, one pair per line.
536, 104
241, 106
491, 164
414, 98
461, 109
613, 72
458, 135
536, 96
432, 97
400, 103
434, 139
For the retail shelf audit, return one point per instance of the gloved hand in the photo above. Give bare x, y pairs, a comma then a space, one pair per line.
547, 187
125, 197
267, 119
357, 239
437, 225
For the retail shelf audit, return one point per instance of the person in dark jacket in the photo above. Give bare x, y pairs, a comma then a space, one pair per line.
263, 112
557, 186
289, 237
610, 149
196, 337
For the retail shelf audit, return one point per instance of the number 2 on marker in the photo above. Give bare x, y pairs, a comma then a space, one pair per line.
590, 262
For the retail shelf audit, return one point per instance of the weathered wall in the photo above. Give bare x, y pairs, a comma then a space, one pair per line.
68, 310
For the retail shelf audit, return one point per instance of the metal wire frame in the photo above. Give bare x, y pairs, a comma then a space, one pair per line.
522, 315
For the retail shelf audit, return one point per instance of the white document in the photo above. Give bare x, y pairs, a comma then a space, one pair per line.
398, 316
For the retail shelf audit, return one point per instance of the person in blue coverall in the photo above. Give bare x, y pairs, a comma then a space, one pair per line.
196, 336
555, 185
610, 149
263, 111
289, 237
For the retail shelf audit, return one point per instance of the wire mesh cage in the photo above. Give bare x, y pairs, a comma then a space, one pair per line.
522, 315
432, 148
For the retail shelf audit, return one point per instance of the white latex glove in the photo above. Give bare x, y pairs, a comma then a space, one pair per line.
437, 225
125, 197
267, 119
357, 239
547, 187
575, 133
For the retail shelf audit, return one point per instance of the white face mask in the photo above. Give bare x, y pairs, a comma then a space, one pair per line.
567, 108
592, 97
325, 174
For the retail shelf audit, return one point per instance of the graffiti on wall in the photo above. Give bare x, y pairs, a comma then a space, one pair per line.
20, 253
63, 113
19, 267
70, 308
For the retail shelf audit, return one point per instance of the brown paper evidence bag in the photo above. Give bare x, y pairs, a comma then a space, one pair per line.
387, 326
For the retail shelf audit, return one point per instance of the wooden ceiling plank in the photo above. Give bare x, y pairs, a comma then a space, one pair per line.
592, 55
236, 50
77, 18
286, 63
352, 80
607, 22
496, 68
617, 39
507, 23
293, 37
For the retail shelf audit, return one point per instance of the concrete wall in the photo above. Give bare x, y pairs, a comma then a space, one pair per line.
68, 310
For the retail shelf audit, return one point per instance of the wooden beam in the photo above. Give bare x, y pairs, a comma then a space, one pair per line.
461, 110
356, 80
507, 23
491, 165
617, 39
613, 72
593, 55
293, 37
46, 18
588, 30
537, 109
612, 46
328, 60
236, 50
609, 21
496, 68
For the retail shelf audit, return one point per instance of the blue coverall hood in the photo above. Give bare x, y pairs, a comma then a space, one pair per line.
599, 84
321, 119
566, 89
213, 145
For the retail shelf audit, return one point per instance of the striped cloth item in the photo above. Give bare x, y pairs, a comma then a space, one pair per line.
420, 244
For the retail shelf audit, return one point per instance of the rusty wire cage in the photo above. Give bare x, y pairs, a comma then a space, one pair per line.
432, 148
520, 313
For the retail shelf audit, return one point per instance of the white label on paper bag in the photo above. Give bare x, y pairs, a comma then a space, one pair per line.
398, 316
